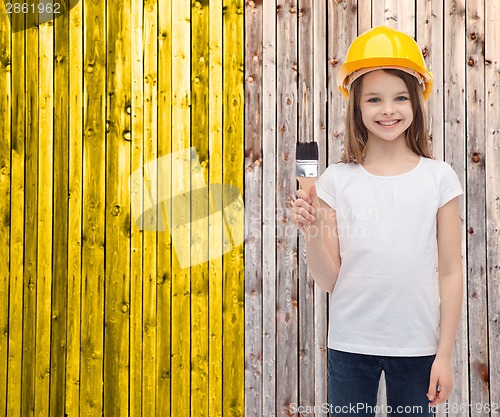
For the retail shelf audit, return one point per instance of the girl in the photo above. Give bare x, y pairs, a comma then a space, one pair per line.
372, 224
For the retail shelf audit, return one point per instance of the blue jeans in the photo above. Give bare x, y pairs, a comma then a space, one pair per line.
353, 381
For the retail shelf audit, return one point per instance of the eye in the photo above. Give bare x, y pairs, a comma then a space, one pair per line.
402, 98
373, 100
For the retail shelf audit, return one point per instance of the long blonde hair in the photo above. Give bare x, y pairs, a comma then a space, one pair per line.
356, 134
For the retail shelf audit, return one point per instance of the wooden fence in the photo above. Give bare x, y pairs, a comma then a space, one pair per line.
293, 52
98, 315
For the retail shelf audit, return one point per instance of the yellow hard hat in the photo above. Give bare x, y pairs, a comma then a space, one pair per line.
383, 47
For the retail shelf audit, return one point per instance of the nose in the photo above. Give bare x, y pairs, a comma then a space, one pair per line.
388, 109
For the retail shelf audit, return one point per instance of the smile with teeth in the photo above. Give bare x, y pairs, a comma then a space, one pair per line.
388, 122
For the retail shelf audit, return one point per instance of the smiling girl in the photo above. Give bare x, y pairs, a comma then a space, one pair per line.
390, 310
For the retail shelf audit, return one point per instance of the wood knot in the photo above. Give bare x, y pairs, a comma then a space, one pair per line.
333, 61
473, 36
475, 157
482, 370
471, 62
471, 230
425, 52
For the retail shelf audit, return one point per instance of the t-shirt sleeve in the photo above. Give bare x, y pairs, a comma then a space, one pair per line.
449, 187
325, 187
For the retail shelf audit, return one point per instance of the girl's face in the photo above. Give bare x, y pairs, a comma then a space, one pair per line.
385, 106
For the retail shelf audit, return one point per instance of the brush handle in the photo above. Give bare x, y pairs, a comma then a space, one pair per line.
306, 183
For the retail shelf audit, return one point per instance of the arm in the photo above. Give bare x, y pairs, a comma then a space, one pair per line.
451, 294
318, 223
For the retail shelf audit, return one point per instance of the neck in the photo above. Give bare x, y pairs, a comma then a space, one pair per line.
386, 151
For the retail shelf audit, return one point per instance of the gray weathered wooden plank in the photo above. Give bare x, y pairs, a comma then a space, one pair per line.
253, 209
429, 31
454, 129
476, 216
320, 118
286, 273
492, 98
305, 132
269, 219
364, 15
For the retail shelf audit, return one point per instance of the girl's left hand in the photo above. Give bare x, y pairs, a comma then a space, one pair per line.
441, 381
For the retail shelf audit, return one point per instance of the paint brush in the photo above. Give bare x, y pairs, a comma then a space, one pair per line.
306, 157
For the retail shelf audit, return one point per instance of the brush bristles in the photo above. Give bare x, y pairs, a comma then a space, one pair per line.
307, 151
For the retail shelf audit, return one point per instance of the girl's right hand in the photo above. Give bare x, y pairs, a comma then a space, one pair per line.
304, 209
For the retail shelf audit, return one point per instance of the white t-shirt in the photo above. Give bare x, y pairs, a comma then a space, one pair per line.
386, 298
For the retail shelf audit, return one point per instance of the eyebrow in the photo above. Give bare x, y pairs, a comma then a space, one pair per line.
378, 94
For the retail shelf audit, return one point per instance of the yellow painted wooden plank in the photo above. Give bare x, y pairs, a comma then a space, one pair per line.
75, 201
200, 209
14, 370
181, 216
60, 248
233, 265
149, 248
30, 220
164, 247
5, 164
94, 154
44, 219
136, 275
118, 140
215, 104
